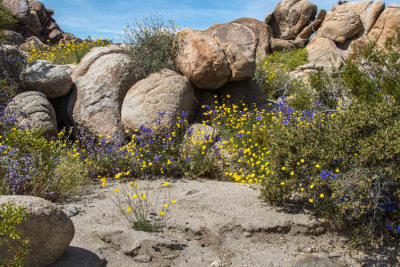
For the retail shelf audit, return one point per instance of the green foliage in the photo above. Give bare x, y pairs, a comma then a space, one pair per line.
6, 19
273, 72
373, 73
151, 44
330, 88
30, 164
144, 210
10, 237
347, 165
303, 99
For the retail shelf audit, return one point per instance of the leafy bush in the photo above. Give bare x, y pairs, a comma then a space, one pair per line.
70, 53
346, 165
151, 41
32, 165
330, 88
10, 237
372, 73
273, 72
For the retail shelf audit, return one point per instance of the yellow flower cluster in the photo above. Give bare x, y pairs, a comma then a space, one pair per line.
69, 53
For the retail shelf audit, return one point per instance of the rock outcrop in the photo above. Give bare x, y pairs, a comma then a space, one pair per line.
34, 20
165, 92
43, 76
48, 229
343, 25
101, 80
222, 53
289, 21
290, 17
33, 110
385, 25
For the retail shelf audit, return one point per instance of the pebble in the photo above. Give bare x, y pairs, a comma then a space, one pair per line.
143, 258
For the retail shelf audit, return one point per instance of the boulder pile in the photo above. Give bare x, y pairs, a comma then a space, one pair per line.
103, 95
35, 26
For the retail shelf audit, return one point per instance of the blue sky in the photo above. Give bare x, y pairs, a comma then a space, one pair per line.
107, 18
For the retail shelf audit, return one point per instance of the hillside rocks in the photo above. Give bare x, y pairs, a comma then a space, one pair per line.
385, 25
340, 24
290, 17
34, 20
19, 8
289, 21
163, 92
33, 111
344, 24
43, 76
48, 229
202, 60
222, 53
101, 81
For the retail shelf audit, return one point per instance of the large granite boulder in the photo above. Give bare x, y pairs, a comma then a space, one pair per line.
262, 31
33, 110
221, 53
341, 23
385, 25
201, 59
13, 38
50, 79
19, 8
290, 17
48, 229
101, 80
163, 92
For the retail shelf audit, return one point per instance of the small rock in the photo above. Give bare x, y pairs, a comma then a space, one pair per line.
248, 234
216, 263
171, 256
308, 250
71, 211
143, 258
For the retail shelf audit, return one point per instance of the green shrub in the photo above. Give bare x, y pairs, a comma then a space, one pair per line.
372, 73
347, 165
329, 88
32, 165
273, 72
10, 237
151, 41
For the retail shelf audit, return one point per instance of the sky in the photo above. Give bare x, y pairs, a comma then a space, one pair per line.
108, 18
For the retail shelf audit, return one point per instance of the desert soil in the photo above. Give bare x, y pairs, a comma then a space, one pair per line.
213, 223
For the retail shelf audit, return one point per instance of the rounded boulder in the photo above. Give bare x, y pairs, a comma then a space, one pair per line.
48, 229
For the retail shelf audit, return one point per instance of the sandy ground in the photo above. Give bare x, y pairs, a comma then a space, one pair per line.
212, 224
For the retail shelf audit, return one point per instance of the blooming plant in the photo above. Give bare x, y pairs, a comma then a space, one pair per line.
142, 209
11, 238
70, 53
